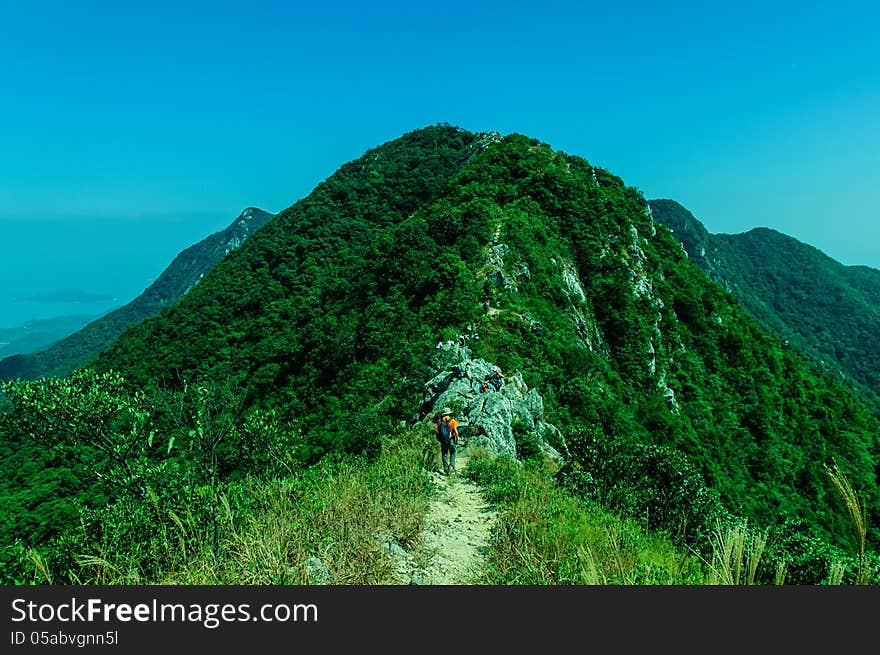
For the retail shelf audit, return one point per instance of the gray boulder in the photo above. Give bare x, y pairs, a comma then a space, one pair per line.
489, 420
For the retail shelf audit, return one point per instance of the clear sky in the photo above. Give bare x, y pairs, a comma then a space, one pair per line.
748, 113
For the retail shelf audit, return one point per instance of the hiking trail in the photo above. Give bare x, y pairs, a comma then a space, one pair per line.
455, 535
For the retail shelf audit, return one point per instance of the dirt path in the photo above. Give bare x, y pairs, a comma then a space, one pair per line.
455, 536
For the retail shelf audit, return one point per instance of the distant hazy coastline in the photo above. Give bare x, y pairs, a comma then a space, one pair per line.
67, 296
51, 268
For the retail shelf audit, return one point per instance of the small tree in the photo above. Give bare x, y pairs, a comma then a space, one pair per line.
91, 418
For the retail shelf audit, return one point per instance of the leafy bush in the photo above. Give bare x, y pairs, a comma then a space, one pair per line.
652, 483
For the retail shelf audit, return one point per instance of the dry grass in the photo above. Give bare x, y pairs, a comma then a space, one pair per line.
319, 527
545, 536
322, 528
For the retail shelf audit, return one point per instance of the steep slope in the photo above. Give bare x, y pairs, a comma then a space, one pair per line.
816, 304
181, 275
672, 399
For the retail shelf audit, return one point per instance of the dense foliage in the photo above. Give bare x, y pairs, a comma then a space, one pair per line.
820, 307
87, 461
547, 535
680, 409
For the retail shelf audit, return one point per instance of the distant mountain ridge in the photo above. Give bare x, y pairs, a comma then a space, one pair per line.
818, 305
182, 274
40, 333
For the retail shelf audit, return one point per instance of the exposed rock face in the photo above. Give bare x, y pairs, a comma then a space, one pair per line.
634, 259
580, 311
650, 214
250, 220
317, 572
494, 269
490, 420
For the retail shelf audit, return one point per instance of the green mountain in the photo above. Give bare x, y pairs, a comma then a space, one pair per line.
330, 314
815, 304
319, 338
81, 347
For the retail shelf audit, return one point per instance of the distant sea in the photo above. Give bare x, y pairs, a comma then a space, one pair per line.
109, 260
16, 313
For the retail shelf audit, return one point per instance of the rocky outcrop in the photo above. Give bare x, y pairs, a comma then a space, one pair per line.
635, 260
579, 309
494, 421
494, 269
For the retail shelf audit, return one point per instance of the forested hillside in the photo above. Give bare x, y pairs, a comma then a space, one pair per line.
314, 341
822, 308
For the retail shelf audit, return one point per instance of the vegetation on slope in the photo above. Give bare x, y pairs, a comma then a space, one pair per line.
321, 526
549, 536
315, 337
822, 308
83, 346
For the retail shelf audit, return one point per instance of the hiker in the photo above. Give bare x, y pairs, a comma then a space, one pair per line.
447, 435
485, 385
496, 377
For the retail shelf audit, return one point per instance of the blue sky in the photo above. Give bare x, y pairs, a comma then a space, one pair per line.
749, 114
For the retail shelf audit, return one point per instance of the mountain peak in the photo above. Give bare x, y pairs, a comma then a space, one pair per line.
682, 222
662, 397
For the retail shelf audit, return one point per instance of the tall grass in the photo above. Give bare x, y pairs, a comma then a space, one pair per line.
736, 555
331, 524
546, 536
857, 513
324, 525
